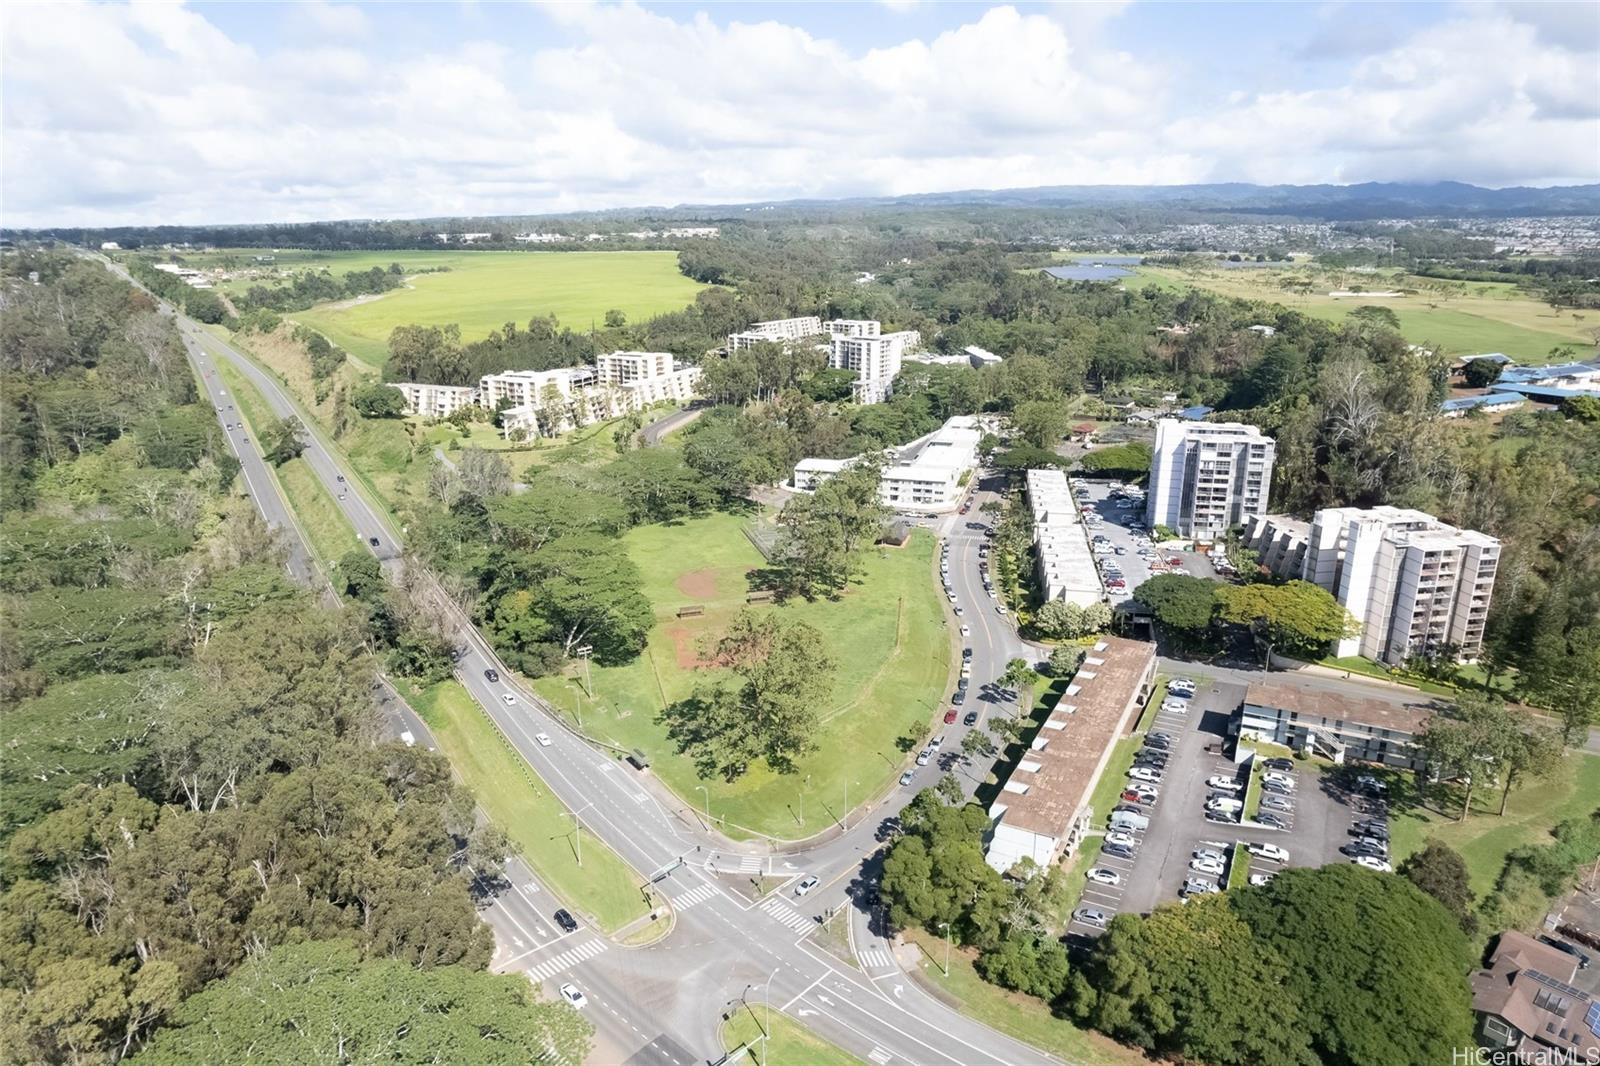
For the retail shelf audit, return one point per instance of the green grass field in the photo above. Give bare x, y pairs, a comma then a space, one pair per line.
789, 1042
887, 634
604, 888
1476, 318
1571, 790
1019, 1016
589, 446
482, 291
318, 513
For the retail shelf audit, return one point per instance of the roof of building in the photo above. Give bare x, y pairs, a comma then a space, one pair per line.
1397, 714
1526, 374
1196, 413
1543, 392
1058, 774
1529, 984
1488, 399
1493, 357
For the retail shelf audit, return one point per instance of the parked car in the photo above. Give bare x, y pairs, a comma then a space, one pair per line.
950, 716
1196, 886
1284, 766
1091, 916
1178, 683
1207, 866
1224, 803
566, 921
1270, 802
1278, 779
1267, 818
1269, 852
905, 778
1562, 945
1257, 880
1145, 773
1207, 853
1275, 789
1119, 837
1119, 851
1160, 740
1134, 795
1373, 863
1102, 876
1227, 783
1172, 706
923, 756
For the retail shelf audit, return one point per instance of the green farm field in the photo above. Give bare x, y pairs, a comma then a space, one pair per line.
888, 635
1476, 317
482, 291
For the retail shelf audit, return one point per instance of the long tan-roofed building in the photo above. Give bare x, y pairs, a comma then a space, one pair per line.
1042, 810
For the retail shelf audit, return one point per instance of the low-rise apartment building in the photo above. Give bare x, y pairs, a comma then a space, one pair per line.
1206, 477
1062, 557
436, 401
1043, 810
1529, 1008
1338, 727
926, 476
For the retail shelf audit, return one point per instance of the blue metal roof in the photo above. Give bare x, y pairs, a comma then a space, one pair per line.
1549, 393
1520, 374
1196, 413
1492, 399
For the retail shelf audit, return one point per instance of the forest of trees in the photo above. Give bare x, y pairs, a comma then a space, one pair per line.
199, 817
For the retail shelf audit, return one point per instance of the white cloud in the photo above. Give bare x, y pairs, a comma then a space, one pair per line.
149, 113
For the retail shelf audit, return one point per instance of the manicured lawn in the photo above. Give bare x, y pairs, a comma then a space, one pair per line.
591, 446
1018, 1016
887, 635
1239, 868
604, 888
484, 290
1570, 790
1480, 318
788, 1043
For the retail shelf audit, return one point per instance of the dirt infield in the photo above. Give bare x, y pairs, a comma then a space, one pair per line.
698, 584
686, 645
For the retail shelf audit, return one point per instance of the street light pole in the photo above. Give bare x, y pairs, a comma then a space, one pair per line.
946, 927
577, 827
707, 791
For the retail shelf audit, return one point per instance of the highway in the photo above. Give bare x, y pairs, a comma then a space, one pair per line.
662, 1003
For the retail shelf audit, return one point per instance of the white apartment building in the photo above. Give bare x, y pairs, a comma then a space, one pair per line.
1062, 557
1414, 583
436, 401
875, 358
926, 476
777, 330
618, 383
853, 327
527, 387
1206, 477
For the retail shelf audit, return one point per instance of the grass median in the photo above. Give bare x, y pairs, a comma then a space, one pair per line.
603, 887
789, 1042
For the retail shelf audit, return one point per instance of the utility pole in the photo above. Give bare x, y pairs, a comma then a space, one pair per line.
577, 827
707, 791
946, 927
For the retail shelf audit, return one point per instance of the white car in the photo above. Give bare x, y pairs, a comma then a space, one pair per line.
1281, 780
966, 669
574, 995
1102, 876
508, 699
543, 739
1000, 609
1227, 784
1175, 706
1208, 853
1257, 880
1270, 852
1144, 773
1231, 806
1195, 886
805, 886
1206, 866
1127, 840
1372, 863
966, 631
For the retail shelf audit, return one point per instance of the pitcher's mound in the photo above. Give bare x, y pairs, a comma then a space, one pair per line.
698, 584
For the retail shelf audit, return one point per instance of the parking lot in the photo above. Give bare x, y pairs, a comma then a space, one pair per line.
1190, 767
1115, 515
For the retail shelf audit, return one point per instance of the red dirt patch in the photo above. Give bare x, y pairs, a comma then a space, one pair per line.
686, 646
698, 585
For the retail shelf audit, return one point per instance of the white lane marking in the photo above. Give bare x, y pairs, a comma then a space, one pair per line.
566, 960
875, 957
690, 898
784, 914
880, 1056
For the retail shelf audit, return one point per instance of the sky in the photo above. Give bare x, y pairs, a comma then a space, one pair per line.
148, 113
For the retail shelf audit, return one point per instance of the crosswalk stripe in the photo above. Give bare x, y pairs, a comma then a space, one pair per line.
694, 896
777, 909
876, 957
566, 960
880, 1056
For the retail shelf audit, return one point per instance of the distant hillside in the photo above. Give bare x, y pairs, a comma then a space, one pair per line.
1322, 202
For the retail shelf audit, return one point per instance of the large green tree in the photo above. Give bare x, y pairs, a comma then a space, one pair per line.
1296, 616
822, 535
321, 1002
783, 677
1183, 604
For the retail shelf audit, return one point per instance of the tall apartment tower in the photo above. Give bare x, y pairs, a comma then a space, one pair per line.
1206, 477
875, 357
1414, 583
